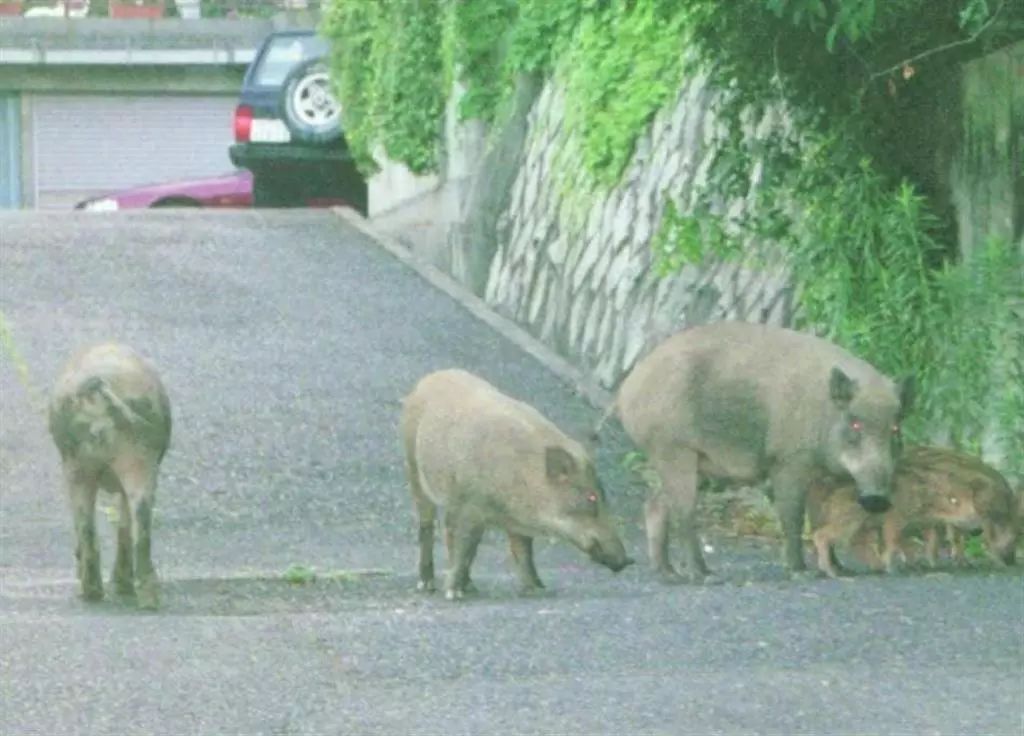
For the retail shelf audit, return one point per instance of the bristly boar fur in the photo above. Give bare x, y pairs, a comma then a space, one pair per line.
493, 461
998, 506
745, 402
932, 487
110, 419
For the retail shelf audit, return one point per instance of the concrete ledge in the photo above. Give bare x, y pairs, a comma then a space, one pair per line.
596, 396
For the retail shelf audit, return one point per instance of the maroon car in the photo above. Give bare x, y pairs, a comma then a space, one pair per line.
228, 190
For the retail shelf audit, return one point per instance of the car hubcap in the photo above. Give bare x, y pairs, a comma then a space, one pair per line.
314, 103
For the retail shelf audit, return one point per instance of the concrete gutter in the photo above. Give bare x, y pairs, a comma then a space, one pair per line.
581, 384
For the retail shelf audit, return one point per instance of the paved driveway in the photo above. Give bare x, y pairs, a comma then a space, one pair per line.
286, 340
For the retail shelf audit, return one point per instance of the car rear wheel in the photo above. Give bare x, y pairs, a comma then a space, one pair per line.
175, 202
311, 111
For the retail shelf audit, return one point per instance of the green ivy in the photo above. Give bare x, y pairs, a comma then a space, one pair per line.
479, 29
387, 63
625, 62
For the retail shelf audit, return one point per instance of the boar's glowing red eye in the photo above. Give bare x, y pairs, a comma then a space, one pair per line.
592, 497
895, 429
856, 425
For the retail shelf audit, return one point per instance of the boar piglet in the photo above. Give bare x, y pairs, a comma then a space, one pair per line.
110, 419
997, 506
933, 487
745, 402
493, 461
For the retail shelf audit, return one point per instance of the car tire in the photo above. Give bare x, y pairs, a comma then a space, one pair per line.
311, 110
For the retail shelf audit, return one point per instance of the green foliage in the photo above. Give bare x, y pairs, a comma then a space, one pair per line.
542, 31
386, 60
624, 63
299, 575
690, 239
478, 32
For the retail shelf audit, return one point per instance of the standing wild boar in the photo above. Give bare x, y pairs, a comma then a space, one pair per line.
997, 505
925, 495
744, 402
493, 461
111, 421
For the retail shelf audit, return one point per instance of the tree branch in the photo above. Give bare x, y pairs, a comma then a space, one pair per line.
940, 49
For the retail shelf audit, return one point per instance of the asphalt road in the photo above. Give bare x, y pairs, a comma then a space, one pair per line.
286, 340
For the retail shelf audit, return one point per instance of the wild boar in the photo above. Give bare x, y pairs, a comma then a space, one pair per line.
998, 507
924, 495
110, 419
742, 403
493, 461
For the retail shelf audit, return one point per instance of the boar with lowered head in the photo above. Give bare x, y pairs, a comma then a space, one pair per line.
745, 402
998, 507
492, 461
111, 421
925, 496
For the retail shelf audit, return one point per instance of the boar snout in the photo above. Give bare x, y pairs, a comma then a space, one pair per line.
874, 503
610, 554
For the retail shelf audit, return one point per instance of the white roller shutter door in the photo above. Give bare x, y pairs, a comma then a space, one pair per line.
87, 144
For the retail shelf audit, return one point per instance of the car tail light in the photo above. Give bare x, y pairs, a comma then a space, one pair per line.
243, 123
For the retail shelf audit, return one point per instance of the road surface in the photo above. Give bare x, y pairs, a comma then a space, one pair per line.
286, 340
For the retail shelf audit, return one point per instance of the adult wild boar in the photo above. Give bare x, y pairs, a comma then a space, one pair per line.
746, 402
492, 461
111, 421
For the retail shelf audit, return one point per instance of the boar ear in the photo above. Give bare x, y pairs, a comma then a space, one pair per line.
557, 462
841, 387
908, 389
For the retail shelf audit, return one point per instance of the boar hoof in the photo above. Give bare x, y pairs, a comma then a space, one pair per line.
426, 586
453, 594
92, 593
148, 597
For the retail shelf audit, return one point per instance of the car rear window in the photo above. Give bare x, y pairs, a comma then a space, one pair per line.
283, 54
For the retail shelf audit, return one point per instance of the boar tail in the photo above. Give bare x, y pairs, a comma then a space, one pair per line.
120, 411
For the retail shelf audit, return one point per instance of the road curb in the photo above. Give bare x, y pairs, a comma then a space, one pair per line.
580, 383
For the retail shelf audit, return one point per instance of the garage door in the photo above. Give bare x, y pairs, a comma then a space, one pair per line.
87, 144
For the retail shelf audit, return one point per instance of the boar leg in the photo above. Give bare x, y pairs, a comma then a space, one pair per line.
124, 565
138, 478
892, 533
823, 546
465, 538
449, 546
956, 545
522, 552
931, 545
82, 489
676, 505
790, 485
426, 513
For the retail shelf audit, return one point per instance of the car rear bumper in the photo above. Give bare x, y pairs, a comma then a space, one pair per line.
247, 155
